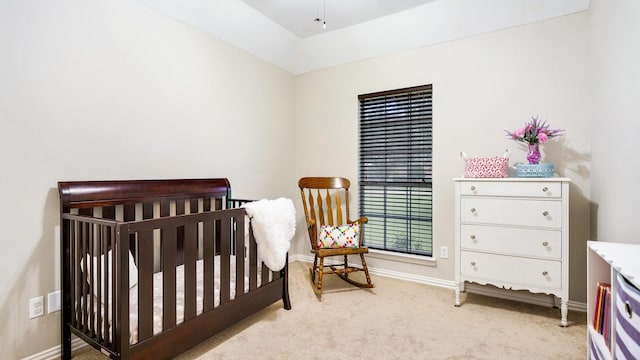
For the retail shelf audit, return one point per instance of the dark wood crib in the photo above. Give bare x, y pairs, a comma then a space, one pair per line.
162, 233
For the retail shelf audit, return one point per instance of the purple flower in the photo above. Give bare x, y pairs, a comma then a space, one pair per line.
542, 137
534, 132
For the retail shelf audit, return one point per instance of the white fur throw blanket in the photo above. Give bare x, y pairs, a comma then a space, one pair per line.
274, 224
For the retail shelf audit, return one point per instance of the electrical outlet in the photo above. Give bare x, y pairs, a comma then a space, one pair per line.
36, 307
53, 301
444, 252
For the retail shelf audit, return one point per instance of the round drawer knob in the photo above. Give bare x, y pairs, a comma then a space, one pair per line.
473, 210
473, 237
473, 263
545, 244
545, 273
473, 188
545, 189
545, 214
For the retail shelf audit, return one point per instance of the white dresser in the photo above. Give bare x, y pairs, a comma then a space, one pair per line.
513, 233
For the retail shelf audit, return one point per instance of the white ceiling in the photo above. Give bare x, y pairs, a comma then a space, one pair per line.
298, 16
277, 31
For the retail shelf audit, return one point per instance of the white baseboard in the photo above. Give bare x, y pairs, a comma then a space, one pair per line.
527, 297
55, 352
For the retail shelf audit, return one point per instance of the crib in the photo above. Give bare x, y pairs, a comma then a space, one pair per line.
151, 268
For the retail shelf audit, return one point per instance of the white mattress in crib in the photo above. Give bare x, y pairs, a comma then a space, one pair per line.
157, 296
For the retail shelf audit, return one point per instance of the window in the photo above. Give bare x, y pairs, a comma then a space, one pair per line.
395, 169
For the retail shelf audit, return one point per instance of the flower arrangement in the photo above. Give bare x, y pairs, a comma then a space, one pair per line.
534, 132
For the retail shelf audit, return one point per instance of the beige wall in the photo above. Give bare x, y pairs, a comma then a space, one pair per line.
110, 90
614, 116
481, 85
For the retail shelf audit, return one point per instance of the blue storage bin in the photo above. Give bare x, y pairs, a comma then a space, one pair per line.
534, 170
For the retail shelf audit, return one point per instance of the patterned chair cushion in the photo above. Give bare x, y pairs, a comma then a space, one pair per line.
338, 237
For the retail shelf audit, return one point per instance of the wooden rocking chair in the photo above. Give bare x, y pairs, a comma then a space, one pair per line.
332, 192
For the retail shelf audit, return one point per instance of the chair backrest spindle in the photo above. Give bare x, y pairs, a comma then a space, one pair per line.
329, 210
339, 220
320, 209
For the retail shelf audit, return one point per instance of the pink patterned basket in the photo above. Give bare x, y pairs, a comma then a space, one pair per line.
488, 167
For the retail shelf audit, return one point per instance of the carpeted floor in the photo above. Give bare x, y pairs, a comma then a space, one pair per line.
395, 320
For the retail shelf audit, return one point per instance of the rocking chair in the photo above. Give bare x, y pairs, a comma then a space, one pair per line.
329, 233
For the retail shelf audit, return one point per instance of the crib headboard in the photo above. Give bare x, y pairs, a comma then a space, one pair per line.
89, 194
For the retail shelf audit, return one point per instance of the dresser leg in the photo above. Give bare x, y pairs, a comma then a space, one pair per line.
457, 303
564, 309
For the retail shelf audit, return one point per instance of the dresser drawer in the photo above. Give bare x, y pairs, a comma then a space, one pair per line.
504, 188
504, 211
511, 270
515, 241
627, 320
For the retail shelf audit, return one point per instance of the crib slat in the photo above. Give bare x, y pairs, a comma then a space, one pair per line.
265, 275
190, 258
109, 212
179, 207
253, 261
93, 285
107, 244
209, 265
145, 284
180, 243
120, 277
101, 242
76, 255
129, 212
165, 208
169, 239
147, 210
225, 256
240, 259
110, 287
96, 318
87, 265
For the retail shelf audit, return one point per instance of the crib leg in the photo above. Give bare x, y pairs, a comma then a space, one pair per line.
284, 274
66, 343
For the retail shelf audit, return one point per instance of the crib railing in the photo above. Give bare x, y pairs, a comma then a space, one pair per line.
99, 293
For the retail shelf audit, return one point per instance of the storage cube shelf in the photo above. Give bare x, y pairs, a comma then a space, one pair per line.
513, 223
619, 265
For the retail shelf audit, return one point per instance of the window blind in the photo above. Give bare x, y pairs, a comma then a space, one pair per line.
395, 169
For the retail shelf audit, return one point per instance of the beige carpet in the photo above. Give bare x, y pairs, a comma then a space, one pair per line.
395, 320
